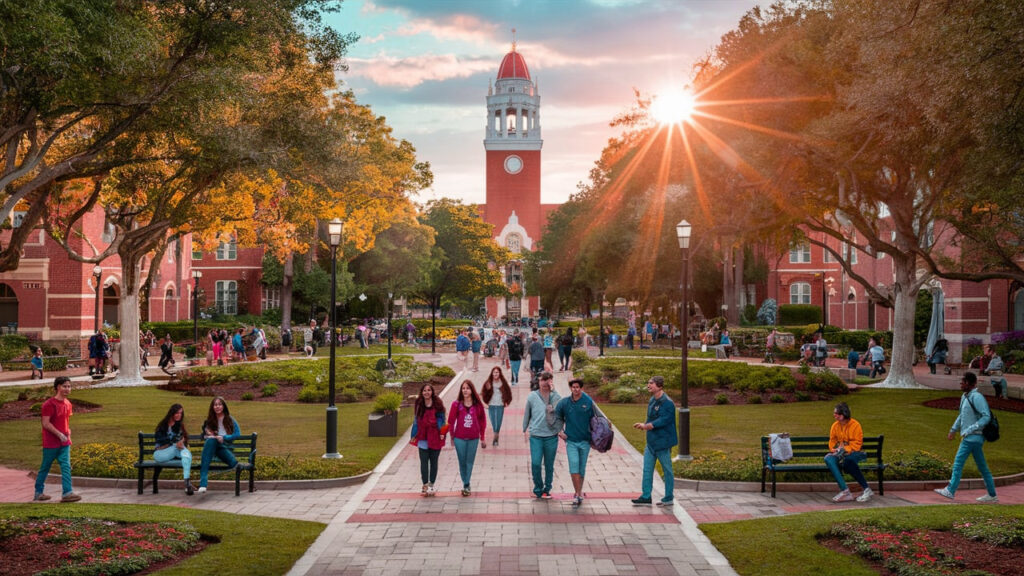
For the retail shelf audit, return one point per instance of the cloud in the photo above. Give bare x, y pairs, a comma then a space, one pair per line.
415, 70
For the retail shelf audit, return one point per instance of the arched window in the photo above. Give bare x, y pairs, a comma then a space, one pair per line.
514, 243
800, 293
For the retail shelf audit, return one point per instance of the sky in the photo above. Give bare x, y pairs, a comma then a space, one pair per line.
425, 65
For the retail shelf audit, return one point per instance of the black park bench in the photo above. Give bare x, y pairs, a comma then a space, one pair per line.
809, 456
243, 447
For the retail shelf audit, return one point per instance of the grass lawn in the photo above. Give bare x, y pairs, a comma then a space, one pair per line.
353, 349
786, 546
285, 429
659, 351
898, 414
249, 545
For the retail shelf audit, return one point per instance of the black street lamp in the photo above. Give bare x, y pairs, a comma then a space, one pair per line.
334, 229
391, 295
97, 273
196, 275
683, 230
600, 333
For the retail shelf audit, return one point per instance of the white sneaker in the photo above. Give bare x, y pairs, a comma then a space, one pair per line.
865, 495
843, 496
430, 490
201, 490
988, 499
944, 492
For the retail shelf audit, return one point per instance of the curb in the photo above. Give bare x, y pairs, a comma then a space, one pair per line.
218, 485
894, 485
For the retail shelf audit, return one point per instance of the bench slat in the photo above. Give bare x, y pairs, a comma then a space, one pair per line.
243, 448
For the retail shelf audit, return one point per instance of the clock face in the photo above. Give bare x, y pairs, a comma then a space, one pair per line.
513, 164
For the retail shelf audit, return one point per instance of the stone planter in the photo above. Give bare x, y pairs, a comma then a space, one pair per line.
383, 424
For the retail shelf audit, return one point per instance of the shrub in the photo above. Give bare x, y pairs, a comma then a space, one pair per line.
444, 372
919, 465
776, 399
827, 382
579, 358
721, 399
717, 465
792, 314
270, 390
106, 460
624, 395
247, 396
606, 389
13, 346
1005, 532
768, 313
387, 402
348, 395
755, 399
36, 408
802, 396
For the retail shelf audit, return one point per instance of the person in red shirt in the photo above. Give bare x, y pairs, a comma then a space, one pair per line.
468, 426
56, 417
428, 432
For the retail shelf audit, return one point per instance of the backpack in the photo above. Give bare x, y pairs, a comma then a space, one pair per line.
601, 434
991, 430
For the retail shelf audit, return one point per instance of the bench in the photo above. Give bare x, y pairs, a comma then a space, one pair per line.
809, 456
244, 449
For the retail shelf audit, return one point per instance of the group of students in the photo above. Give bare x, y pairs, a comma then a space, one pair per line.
511, 348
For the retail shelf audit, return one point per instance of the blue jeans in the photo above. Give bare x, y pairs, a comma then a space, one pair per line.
647, 483
850, 466
213, 449
543, 450
465, 449
515, 370
63, 457
970, 445
172, 452
565, 353
576, 452
497, 413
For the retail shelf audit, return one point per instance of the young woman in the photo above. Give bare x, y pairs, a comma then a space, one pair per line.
428, 432
496, 394
469, 425
219, 430
549, 350
502, 349
172, 442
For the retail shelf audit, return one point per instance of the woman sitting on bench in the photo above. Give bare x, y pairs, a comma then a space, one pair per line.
172, 442
845, 440
219, 430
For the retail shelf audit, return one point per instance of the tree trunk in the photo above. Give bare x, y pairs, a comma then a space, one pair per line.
905, 289
738, 289
129, 372
286, 291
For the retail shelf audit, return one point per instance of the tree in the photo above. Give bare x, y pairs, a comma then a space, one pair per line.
398, 260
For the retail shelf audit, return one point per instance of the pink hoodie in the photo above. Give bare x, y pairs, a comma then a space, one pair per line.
467, 423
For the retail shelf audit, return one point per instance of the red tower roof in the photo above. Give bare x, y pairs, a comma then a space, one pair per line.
513, 66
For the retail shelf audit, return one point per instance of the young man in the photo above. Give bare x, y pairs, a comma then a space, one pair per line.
576, 412
514, 344
56, 417
540, 428
462, 347
845, 440
974, 415
877, 355
661, 437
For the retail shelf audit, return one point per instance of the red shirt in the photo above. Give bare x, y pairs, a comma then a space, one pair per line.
467, 423
59, 412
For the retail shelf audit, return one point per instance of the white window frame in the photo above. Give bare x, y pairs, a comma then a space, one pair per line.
227, 250
227, 297
271, 298
800, 254
800, 293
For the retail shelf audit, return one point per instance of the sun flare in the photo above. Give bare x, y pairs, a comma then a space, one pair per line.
673, 106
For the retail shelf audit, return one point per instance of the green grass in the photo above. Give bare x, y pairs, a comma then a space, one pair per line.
787, 546
658, 351
249, 545
898, 414
294, 429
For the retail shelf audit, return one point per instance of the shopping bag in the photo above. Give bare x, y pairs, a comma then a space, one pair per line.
780, 446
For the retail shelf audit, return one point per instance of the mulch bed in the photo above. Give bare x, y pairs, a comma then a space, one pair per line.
997, 560
21, 409
30, 555
953, 403
233, 391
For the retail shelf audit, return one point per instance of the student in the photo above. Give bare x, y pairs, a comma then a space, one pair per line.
565, 343
845, 440
661, 437
475, 344
166, 353
540, 428
576, 411
428, 431
56, 419
497, 395
172, 443
469, 424
37, 363
974, 415
515, 355
219, 430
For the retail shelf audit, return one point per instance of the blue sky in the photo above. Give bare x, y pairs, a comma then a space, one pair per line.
425, 65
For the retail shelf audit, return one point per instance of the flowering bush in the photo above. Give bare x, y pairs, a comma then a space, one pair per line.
88, 546
906, 552
919, 465
1007, 532
104, 460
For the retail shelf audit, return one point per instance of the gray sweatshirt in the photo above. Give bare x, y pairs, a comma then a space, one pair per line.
535, 415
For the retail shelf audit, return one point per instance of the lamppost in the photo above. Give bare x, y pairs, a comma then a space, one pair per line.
826, 291
391, 295
196, 275
683, 230
97, 273
334, 229
600, 333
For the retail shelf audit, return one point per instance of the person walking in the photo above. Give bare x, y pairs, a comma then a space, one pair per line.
537, 354
56, 421
515, 356
172, 443
540, 429
974, 415
503, 350
308, 339
219, 430
661, 437
166, 354
37, 363
428, 432
565, 349
845, 440
497, 395
462, 348
575, 412
475, 343
877, 355
549, 350
469, 425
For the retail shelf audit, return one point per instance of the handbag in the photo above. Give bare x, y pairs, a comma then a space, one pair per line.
991, 430
780, 447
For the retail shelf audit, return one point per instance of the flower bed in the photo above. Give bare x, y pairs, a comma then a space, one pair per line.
86, 546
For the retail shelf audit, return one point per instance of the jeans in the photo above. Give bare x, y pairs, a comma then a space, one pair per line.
172, 452
465, 449
213, 449
515, 370
970, 445
851, 465
576, 452
877, 367
63, 457
542, 449
428, 465
647, 483
497, 413
565, 352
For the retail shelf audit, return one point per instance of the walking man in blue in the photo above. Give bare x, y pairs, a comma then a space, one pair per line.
462, 348
974, 415
661, 437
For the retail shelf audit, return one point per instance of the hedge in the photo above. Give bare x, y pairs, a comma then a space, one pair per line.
799, 314
50, 364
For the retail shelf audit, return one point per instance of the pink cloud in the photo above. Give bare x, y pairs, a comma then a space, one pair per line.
415, 70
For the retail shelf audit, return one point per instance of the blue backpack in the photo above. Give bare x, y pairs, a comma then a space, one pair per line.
601, 434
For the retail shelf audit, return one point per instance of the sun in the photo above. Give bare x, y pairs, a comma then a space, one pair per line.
673, 106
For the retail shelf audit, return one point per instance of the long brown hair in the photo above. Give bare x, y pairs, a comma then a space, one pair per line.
167, 422
472, 393
487, 391
211, 417
421, 406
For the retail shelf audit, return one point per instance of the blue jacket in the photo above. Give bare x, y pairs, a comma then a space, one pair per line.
462, 343
228, 438
974, 414
662, 414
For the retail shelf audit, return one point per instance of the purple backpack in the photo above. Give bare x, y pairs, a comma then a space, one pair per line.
601, 434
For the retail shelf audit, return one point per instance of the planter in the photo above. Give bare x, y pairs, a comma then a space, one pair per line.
383, 424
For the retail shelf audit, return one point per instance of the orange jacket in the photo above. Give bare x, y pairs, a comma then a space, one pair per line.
849, 433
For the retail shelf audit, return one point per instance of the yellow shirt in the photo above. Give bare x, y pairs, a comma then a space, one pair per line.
849, 433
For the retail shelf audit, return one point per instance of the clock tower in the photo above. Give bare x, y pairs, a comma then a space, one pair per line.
513, 142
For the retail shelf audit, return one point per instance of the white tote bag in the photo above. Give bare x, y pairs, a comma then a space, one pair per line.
780, 447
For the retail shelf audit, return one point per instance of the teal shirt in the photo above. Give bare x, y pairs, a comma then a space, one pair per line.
576, 415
